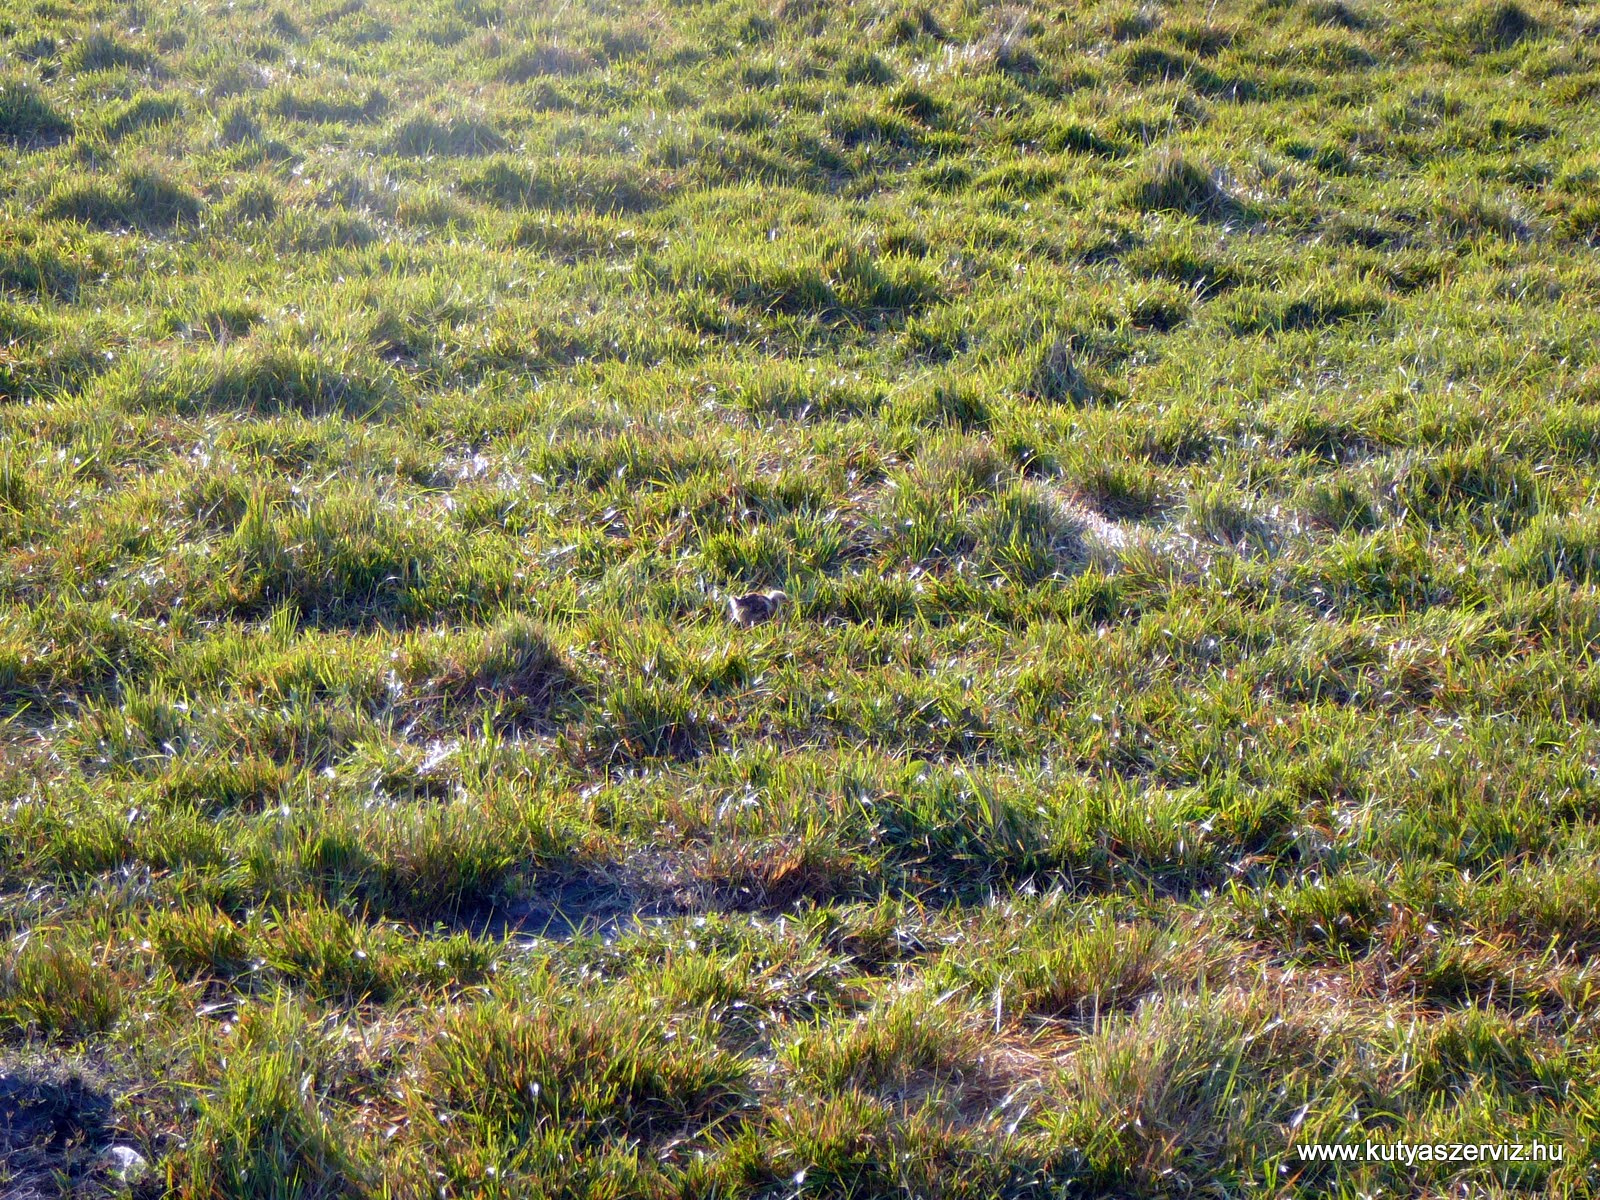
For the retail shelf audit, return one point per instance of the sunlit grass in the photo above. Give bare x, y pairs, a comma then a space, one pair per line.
1174, 427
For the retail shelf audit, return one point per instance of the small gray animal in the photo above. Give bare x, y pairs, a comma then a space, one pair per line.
753, 608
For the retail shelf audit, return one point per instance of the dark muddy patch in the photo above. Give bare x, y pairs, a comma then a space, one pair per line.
578, 909
612, 901
563, 911
54, 1126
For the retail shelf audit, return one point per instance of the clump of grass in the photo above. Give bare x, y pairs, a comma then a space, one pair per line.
138, 112
1470, 218
38, 263
238, 125
1475, 484
35, 49
1004, 47
56, 987
328, 109
253, 377
1144, 63
573, 238
565, 1074
867, 68
1170, 1072
840, 1145
1076, 971
1121, 491
103, 51
1133, 21
1202, 272
264, 1125
284, 25
553, 60
514, 670
421, 863
946, 404
16, 492
1251, 311
843, 282
424, 135
561, 186
915, 1040
1553, 548
641, 720
142, 198
1057, 378
345, 557
27, 119
201, 941
1343, 504
1338, 14
1161, 309
1204, 38
1328, 52
1224, 514
255, 200
1496, 25
1172, 182
248, 784
329, 956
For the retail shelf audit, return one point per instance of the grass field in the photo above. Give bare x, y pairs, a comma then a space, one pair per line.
1176, 426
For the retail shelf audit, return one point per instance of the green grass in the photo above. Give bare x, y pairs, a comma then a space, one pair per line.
1176, 427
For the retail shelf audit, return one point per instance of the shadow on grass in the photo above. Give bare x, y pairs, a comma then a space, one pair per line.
138, 199
53, 1124
27, 120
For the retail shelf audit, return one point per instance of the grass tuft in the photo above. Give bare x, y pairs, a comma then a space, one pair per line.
565, 1077
104, 51
138, 199
1497, 25
514, 670
27, 119
1174, 183
425, 135
263, 1125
